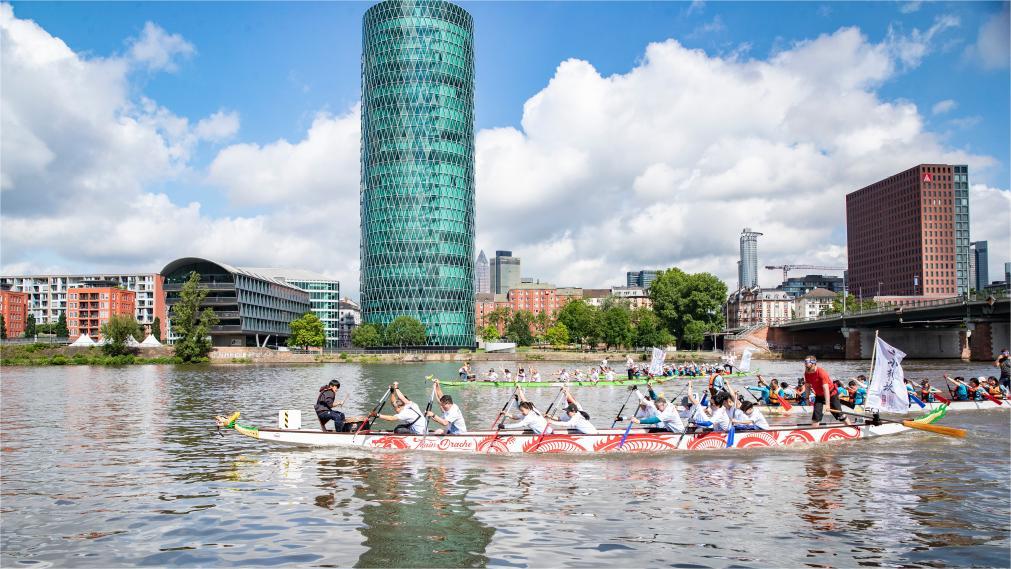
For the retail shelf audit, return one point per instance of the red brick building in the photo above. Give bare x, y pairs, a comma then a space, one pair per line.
14, 307
901, 234
90, 307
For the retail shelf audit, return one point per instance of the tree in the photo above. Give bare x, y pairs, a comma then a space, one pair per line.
30, 326
852, 304
192, 324
580, 320
518, 329
616, 326
557, 335
116, 330
679, 298
3, 328
61, 330
307, 331
405, 331
541, 321
156, 328
489, 332
648, 330
366, 336
695, 333
497, 317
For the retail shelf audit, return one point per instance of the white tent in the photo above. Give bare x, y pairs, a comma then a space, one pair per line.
101, 342
83, 340
132, 342
150, 342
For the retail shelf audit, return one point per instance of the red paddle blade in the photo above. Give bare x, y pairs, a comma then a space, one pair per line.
784, 403
992, 398
944, 400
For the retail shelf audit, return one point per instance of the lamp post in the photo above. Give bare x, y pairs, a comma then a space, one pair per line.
879, 287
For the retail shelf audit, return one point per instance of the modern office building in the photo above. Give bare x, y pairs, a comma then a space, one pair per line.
47, 294
324, 297
504, 272
417, 167
482, 274
641, 279
799, 286
350, 316
960, 187
978, 263
89, 307
906, 232
747, 267
252, 309
14, 308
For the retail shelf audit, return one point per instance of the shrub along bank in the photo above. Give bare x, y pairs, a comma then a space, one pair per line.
45, 354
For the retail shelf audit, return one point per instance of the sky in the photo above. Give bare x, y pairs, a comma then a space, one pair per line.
609, 136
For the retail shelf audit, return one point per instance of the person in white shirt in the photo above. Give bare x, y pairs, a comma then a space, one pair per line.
452, 417
603, 363
697, 414
563, 375
578, 420
507, 375
536, 375
749, 417
530, 419
412, 420
492, 376
609, 375
521, 375
663, 415
726, 405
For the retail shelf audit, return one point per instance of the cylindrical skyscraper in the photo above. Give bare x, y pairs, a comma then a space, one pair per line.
417, 194
747, 267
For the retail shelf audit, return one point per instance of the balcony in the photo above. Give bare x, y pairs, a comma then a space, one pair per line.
176, 287
210, 301
226, 328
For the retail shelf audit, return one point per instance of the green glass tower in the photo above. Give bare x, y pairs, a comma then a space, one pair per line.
417, 193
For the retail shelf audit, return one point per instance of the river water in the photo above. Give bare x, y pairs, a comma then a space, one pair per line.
109, 467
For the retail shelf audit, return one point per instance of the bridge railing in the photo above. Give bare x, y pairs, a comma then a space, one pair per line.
891, 308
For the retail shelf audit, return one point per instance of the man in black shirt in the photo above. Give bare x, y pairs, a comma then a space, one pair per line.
325, 406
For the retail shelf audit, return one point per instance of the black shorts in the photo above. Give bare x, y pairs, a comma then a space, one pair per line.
819, 404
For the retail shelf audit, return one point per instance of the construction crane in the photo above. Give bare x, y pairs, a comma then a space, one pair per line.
788, 268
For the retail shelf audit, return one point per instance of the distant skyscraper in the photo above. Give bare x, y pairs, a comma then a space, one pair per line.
979, 260
417, 154
641, 279
482, 274
747, 269
504, 272
910, 232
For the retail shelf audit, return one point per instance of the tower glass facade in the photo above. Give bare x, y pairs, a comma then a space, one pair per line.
960, 187
417, 195
747, 269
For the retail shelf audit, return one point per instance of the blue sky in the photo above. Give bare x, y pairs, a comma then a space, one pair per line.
279, 65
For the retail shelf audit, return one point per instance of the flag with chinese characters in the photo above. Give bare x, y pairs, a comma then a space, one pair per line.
887, 391
656, 364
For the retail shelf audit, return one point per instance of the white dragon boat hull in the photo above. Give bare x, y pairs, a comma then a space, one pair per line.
606, 441
957, 406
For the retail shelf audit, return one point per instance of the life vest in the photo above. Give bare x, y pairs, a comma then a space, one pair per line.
773, 397
996, 392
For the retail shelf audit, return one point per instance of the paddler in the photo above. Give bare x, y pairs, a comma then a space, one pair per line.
629, 367
465, 371
451, 418
961, 392
824, 392
577, 419
662, 414
748, 417
716, 383
325, 406
407, 412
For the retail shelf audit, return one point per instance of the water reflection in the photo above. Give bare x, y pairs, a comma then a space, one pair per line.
418, 516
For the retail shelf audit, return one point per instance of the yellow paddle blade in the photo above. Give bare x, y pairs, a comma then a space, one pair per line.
939, 429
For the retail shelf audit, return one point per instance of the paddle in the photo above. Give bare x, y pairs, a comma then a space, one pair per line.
547, 421
504, 407
939, 397
982, 391
427, 409
917, 400
624, 437
938, 429
622, 410
375, 410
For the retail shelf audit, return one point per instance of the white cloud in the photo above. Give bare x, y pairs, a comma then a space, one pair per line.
696, 6
990, 221
158, 50
912, 48
992, 49
659, 166
942, 107
910, 7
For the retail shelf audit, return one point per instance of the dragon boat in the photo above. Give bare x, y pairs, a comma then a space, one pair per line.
638, 380
606, 441
958, 406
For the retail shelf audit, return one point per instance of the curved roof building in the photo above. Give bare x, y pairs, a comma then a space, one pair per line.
253, 309
417, 192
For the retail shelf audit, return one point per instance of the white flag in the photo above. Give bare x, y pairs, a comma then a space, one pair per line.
887, 391
746, 360
656, 365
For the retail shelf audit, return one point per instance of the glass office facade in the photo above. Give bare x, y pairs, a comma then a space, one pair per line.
961, 190
417, 194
